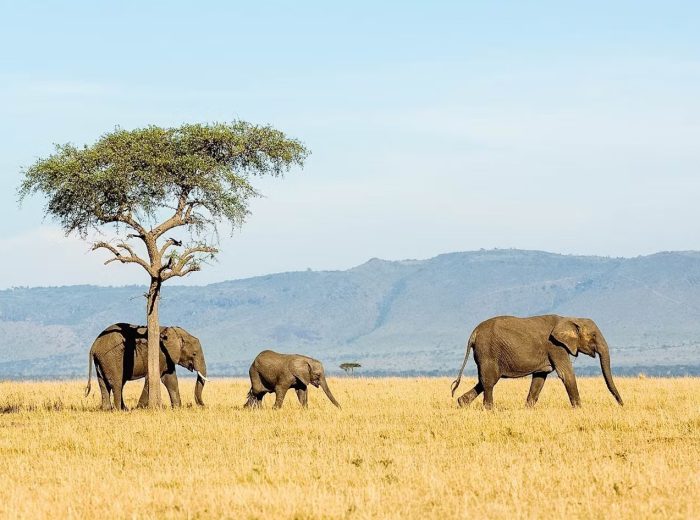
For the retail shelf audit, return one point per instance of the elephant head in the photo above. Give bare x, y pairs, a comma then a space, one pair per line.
310, 372
185, 350
583, 335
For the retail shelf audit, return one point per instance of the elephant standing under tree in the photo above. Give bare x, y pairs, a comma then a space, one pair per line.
120, 354
274, 372
506, 346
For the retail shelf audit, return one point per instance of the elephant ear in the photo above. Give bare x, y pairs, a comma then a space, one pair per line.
301, 369
171, 341
567, 332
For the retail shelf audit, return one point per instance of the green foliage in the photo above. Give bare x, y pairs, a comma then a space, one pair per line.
350, 367
131, 175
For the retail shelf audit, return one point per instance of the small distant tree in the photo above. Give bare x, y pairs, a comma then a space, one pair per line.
144, 183
350, 367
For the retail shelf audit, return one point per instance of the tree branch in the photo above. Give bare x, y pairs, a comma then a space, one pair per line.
126, 247
169, 265
190, 269
170, 242
181, 267
128, 220
132, 258
190, 207
177, 218
123, 217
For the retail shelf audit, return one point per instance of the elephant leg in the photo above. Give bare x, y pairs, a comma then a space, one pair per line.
118, 398
488, 377
488, 397
303, 396
538, 379
280, 392
565, 371
169, 379
104, 390
472, 394
256, 385
143, 400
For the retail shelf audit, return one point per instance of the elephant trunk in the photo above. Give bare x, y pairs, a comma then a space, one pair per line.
327, 390
604, 353
199, 385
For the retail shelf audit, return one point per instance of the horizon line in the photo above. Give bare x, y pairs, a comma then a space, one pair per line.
398, 261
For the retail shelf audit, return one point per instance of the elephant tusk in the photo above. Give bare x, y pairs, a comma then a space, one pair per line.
199, 374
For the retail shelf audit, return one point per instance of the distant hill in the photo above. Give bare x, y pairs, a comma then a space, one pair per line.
407, 317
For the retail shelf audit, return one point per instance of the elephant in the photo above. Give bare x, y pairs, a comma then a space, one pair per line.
120, 354
275, 372
509, 347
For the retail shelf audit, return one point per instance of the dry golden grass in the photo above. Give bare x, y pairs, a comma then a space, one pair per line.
399, 449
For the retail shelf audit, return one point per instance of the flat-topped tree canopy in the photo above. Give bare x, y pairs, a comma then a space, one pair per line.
200, 173
152, 180
350, 367
135, 173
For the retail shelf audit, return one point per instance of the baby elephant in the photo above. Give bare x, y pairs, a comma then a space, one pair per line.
274, 372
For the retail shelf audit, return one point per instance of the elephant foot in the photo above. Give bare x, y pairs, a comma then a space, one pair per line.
466, 400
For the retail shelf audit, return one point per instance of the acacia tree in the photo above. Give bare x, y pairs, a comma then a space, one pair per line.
350, 367
143, 184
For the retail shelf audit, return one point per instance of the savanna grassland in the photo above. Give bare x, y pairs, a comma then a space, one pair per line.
399, 448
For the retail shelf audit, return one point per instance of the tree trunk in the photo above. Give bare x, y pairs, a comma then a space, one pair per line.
154, 400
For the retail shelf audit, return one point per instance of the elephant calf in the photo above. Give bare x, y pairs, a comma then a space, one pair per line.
274, 372
506, 346
120, 354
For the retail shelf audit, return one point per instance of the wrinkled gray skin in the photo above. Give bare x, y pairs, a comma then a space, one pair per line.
120, 354
274, 372
506, 346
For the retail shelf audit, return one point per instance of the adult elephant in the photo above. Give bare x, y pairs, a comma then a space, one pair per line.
506, 346
120, 354
275, 372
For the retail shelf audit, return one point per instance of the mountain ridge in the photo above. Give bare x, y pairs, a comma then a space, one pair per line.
395, 317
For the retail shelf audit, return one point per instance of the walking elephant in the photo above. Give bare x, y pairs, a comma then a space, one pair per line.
120, 354
506, 346
274, 372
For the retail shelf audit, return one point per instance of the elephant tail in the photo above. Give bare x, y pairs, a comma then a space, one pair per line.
470, 344
90, 362
251, 400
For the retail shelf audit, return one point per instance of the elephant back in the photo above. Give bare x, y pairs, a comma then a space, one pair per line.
118, 335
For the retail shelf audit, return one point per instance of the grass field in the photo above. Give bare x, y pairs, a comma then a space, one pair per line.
399, 448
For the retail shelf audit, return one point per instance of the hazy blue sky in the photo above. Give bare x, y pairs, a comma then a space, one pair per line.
571, 127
